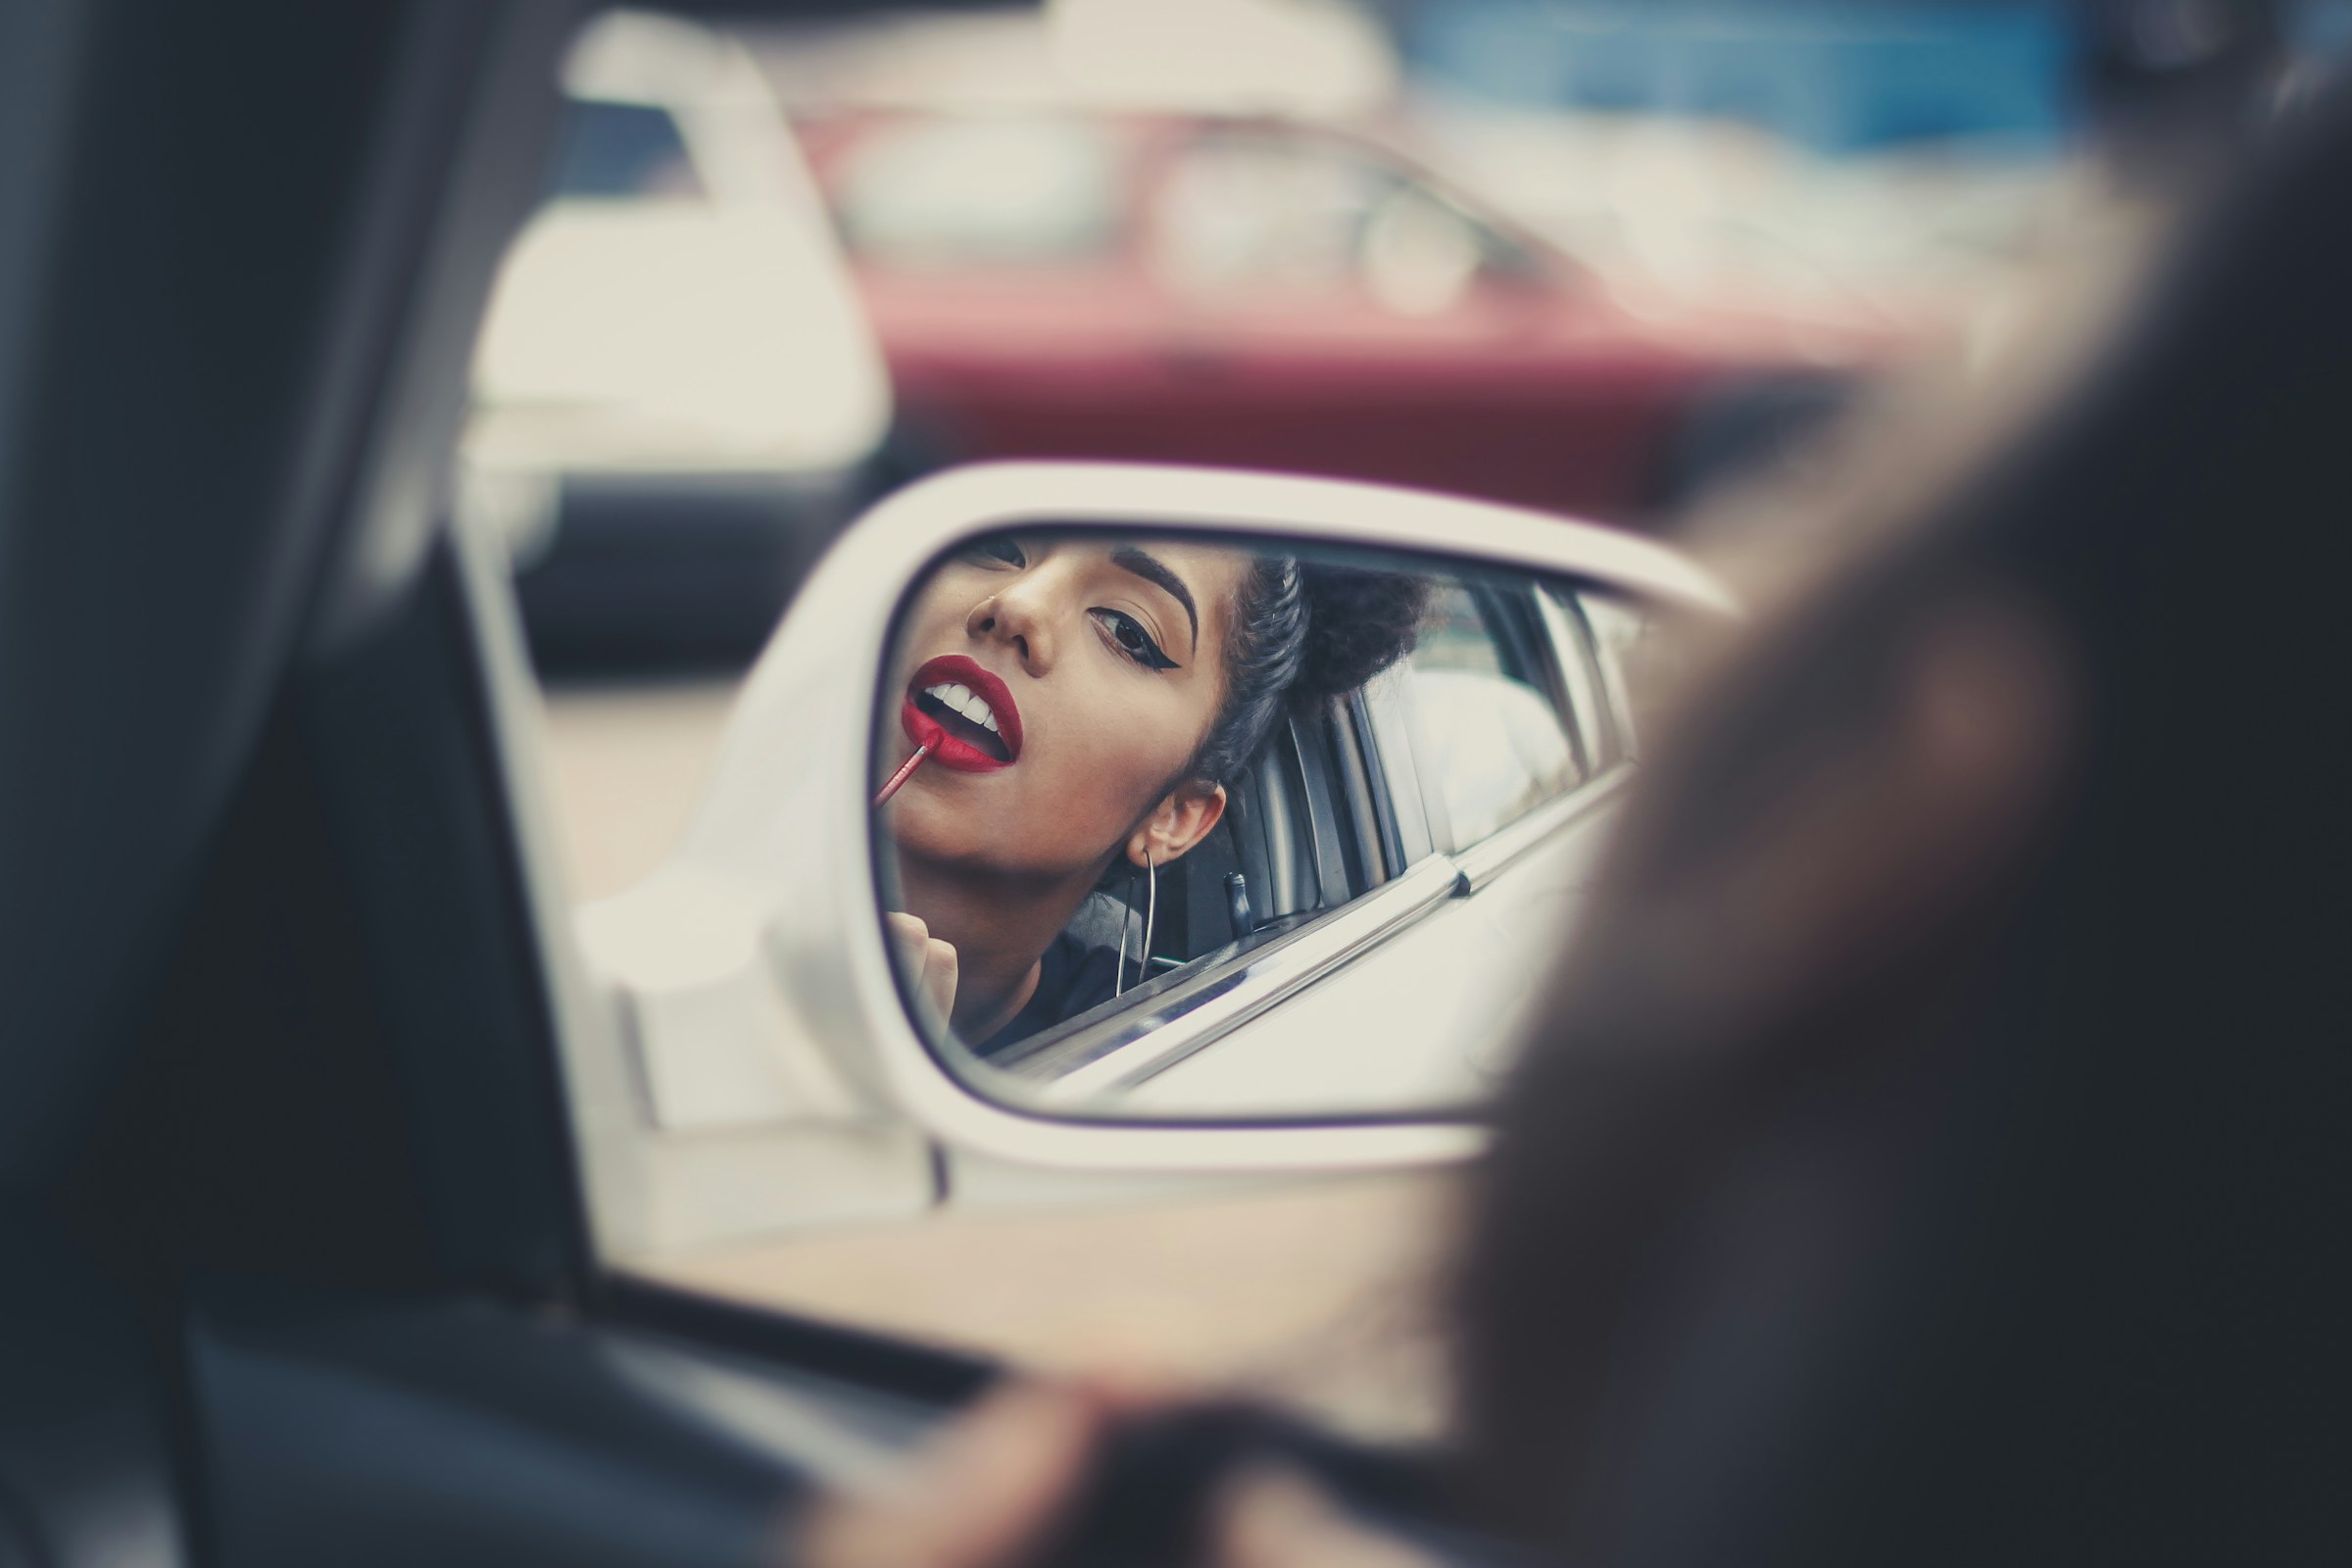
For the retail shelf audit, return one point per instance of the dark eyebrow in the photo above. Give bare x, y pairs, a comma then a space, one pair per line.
1151, 569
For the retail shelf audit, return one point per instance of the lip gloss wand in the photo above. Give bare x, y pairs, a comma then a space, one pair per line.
906, 771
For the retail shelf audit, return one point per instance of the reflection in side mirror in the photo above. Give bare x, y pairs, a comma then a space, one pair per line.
1190, 825
1154, 899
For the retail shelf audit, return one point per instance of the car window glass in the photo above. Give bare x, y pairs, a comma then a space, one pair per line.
1419, 256
971, 191
1242, 215
1239, 213
1488, 739
622, 150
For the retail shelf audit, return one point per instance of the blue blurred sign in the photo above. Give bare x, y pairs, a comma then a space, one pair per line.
1836, 75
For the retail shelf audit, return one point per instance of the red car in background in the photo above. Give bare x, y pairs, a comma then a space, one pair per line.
1270, 294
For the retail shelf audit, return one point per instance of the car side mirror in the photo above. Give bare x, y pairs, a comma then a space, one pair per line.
1004, 679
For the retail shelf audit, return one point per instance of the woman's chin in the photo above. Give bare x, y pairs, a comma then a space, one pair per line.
944, 833
952, 852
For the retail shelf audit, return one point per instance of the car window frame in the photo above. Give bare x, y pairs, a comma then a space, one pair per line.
1612, 670
1599, 723
1504, 254
1517, 613
1519, 635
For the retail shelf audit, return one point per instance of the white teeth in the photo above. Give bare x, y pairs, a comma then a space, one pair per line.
963, 700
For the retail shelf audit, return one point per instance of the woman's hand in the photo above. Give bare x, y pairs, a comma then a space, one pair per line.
992, 1491
1275, 1517
928, 961
985, 1494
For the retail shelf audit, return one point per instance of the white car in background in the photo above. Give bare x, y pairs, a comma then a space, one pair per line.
675, 391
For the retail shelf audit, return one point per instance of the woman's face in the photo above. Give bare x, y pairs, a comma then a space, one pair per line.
1099, 667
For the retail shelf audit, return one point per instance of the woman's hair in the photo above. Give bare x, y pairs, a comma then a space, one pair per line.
1982, 1201
1303, 631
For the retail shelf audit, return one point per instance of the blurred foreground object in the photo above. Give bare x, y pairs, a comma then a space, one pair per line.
1936, 1155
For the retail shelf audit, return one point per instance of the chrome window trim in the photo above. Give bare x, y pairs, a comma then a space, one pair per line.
1612, 674
1203, 1007
1485, 860
1592, 722
1383, 702
1586, 774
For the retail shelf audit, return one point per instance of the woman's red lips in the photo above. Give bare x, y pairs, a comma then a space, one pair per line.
958, 743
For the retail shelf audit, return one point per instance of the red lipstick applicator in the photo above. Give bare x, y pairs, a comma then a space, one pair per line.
906, 771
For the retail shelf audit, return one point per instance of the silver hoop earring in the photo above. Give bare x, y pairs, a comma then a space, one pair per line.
1118, 976
1143, 963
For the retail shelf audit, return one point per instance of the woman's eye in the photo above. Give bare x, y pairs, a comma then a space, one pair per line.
1127, 635
996, 552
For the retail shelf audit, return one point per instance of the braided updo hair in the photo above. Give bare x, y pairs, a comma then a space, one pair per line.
1303, 632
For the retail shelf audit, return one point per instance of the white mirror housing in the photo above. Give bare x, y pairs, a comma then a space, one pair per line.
750, 970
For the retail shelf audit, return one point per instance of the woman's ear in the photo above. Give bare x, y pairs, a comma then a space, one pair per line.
1177, 823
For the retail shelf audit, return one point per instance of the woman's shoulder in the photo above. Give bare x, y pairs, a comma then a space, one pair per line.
1073, 974
1083, 973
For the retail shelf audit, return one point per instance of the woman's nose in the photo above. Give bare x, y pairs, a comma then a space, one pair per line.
1021, 617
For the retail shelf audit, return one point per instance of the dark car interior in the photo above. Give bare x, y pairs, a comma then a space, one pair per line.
1301, 825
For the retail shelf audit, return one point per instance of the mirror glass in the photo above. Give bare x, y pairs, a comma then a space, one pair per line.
1193, 825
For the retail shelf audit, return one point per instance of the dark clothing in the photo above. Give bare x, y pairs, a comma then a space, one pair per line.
1071, 977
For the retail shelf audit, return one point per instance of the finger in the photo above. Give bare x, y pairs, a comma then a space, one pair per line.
1272, 1517
980, 1498
940, 973
1135, 1389
909, 941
